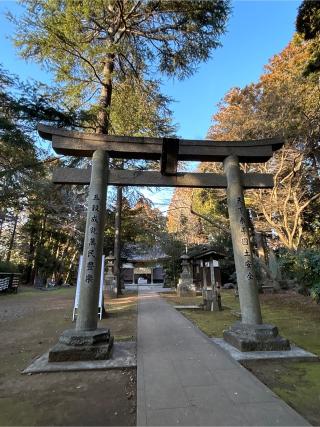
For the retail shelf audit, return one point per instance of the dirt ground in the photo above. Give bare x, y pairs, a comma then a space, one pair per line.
30, 323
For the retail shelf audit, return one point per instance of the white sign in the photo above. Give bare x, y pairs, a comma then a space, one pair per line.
142, 270
77, 296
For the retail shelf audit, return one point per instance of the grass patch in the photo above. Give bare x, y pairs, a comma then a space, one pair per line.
211, 323
297, 383
296, 316
26, 292
122, 317
298, 319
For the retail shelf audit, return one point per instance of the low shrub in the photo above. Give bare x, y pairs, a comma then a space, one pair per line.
302, 266
8, 267
315, 292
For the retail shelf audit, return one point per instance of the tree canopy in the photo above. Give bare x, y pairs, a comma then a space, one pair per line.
91, 45
73, 37
308, 19
284, 102
308, 26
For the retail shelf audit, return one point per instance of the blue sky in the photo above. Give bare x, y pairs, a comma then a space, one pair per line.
257, 30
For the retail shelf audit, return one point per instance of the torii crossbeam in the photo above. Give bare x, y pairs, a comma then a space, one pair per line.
250, 334
139, 178
168, 150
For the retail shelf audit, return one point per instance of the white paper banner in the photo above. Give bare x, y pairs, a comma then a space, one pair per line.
77, 296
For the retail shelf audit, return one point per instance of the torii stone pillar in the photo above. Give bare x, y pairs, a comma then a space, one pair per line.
250, 334
86, 341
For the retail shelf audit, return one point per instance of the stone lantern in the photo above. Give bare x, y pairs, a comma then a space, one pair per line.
185, 285
110, 277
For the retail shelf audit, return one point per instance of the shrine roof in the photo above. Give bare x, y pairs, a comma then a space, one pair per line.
140, 253
204, 252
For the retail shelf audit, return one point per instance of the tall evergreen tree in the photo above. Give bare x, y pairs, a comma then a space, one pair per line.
308, 19
308, 26
93, 44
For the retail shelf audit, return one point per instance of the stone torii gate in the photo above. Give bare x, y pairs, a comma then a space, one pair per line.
87, 341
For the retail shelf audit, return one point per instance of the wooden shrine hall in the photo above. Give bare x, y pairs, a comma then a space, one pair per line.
205, 268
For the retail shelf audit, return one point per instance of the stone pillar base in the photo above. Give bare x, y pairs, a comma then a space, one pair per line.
264, 337
186, 291
76, 345
211, 300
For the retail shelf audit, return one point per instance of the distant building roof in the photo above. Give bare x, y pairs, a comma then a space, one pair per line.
204, 251
140, 253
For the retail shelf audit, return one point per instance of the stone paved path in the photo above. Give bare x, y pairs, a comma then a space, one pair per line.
184, 379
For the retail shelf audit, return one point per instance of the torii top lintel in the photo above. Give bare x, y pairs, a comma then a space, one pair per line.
168, 150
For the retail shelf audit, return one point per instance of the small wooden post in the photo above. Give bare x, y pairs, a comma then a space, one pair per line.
204, 275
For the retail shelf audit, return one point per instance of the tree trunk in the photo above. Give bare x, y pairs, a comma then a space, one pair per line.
105, 96
104, 113
70, 266
2, 219
30, 257
117, 245
12, 239
43, 223
262, 248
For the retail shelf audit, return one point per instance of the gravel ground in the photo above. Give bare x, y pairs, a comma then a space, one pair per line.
30, 323
28, 302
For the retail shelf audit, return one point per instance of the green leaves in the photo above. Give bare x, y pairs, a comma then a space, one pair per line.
308, 19
73, 38
308, 25
303, 265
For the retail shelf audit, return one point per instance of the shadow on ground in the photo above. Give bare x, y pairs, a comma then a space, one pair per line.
30, 323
